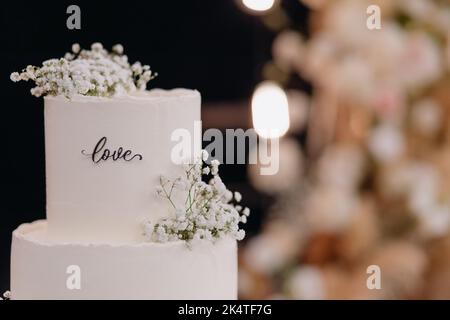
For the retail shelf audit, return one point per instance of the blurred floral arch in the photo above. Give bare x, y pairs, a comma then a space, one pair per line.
373, 182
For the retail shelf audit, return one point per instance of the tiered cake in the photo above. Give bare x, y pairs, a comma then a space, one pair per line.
95, 209
104, 156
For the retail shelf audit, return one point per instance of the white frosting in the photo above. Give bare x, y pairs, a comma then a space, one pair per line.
94, 210
105, 202
133, 271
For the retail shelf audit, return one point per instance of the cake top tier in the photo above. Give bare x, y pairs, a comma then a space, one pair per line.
138, 96
95, 72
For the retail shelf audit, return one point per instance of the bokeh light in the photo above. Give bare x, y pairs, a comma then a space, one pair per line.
258, 5
270, 110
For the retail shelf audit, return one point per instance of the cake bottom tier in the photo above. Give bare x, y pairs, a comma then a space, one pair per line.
41, 269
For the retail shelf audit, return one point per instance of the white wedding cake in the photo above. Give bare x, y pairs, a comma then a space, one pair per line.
105, 155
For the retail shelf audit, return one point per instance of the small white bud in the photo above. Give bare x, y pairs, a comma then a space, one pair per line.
7, 295
76, 48
240, 235
205, 155
15, 76
97, 46
118, 48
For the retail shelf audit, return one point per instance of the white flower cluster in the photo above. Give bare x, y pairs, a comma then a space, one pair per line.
210, 212
6, 296
94, 72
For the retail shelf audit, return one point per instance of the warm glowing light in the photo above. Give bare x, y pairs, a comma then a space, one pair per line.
270, 110
259, 5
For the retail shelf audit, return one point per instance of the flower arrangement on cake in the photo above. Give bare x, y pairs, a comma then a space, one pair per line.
94, 72
211, 211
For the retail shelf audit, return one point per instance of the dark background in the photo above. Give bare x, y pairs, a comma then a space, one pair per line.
211, 46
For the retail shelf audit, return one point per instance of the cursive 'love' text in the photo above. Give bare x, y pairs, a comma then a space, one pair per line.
102, 153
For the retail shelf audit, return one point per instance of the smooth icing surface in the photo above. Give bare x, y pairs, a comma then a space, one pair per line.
104, 157
135, 271
106, 201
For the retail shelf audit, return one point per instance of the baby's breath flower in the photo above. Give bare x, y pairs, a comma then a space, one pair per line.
94, 72
136, 67
6, 295
215, 167
69, 56
76, 48
208, 212
118, 49
37, 91
240, 234
206, 170
15, 76
96, 46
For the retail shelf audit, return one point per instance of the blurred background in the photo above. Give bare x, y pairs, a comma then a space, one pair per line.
364, 157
